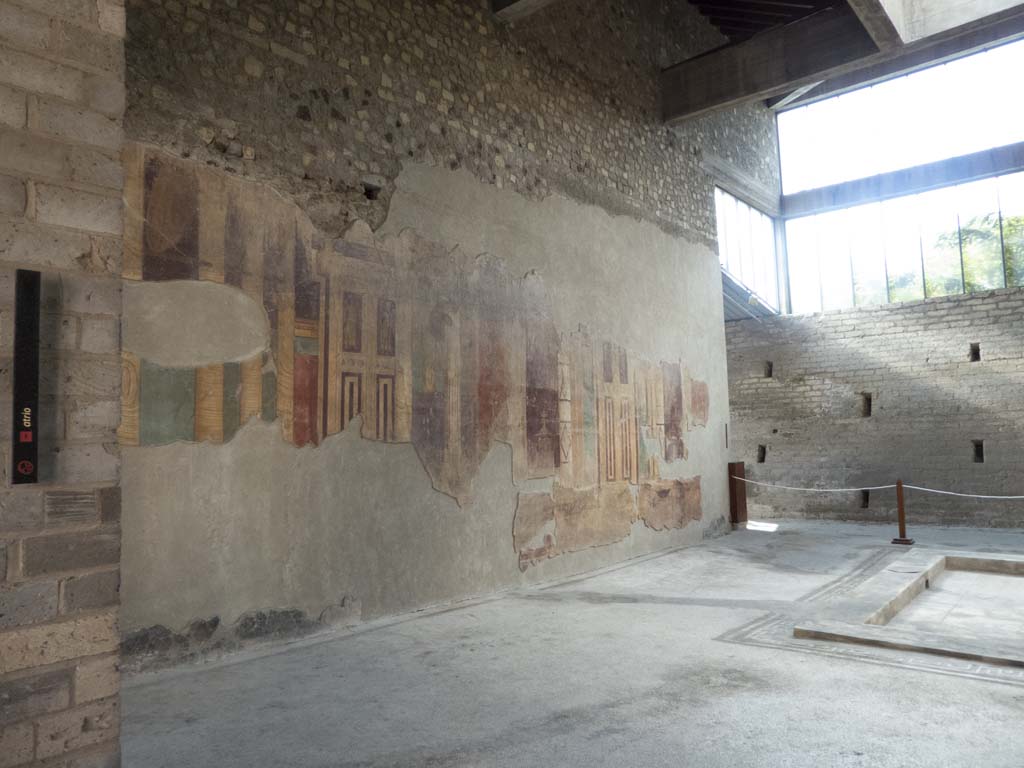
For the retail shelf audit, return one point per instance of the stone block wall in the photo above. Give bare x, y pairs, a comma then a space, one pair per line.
930, 404
61, 102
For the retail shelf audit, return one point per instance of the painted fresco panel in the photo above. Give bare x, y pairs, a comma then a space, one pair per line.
234, 243
170, 237
670, 503
542, 399
428, 345
209, 413
386, 315
128, 431
533, 529
167, 404
494, 380
385, 407
351, 396
673, 399
232, 391
307, 289
352, 322
268, 391
304, 411
699, 403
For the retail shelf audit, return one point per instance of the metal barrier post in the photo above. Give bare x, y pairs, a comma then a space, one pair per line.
902, 513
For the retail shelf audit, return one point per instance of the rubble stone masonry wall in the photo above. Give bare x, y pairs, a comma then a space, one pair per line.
327, 98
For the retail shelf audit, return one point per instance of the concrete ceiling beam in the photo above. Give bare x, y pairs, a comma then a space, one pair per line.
996, 30
514, 10
777, 61
881, 19
831, 48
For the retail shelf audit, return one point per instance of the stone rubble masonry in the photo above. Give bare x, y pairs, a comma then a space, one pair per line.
326, 99
61, 103
928, 403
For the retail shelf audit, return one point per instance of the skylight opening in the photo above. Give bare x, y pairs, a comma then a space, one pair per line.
953, 109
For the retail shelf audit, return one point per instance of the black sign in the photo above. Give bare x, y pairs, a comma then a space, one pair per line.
25, 433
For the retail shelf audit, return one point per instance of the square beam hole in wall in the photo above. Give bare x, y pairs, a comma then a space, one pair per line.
975, 356
762, 451
979, 451
865, 404
865, 499
769, 370
371, 191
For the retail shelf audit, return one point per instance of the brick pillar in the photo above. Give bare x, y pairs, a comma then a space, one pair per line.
61, 102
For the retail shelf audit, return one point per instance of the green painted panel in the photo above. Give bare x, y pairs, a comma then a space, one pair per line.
167, 404
306, 346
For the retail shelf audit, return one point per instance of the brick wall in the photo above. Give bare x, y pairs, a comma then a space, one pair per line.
929, 402
61, 101
327, 98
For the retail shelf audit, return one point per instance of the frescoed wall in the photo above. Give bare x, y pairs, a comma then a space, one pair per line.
403, 340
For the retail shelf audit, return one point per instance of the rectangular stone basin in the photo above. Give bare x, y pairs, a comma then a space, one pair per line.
966, 605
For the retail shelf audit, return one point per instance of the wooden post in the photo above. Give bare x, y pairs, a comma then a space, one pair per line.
737, 494
902, 514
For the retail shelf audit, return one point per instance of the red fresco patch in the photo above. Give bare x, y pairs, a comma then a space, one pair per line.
699, 403
670, 503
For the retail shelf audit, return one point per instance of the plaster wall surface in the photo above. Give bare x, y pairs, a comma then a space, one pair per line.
211, 323
620, 277
353, 527
929, 405
507, 206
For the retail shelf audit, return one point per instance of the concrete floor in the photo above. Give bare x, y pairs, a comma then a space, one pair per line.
619, 668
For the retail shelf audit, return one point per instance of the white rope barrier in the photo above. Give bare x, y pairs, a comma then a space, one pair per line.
874, 488
818, 490
963, 495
